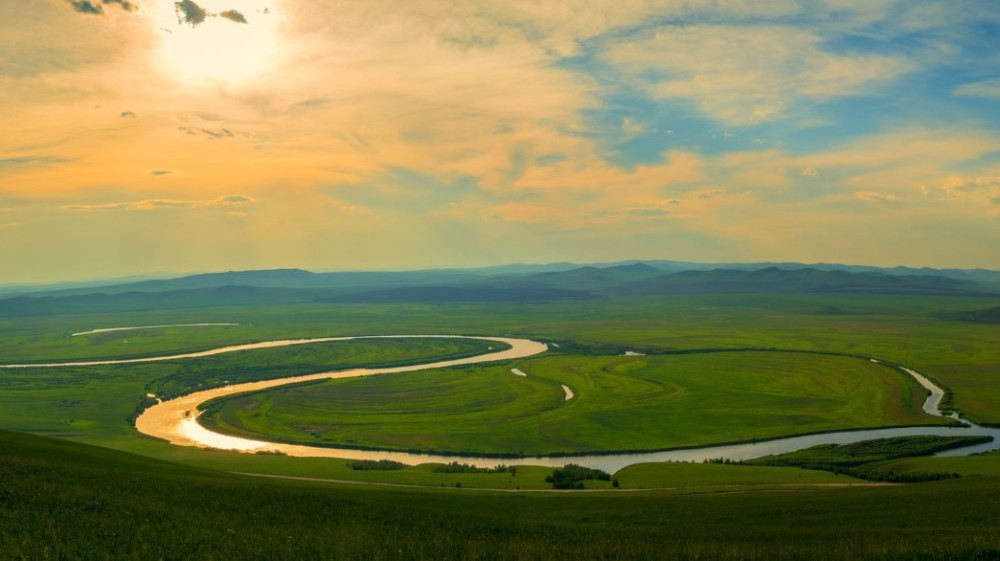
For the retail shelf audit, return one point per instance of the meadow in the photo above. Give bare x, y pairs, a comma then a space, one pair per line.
58, 499
621, 403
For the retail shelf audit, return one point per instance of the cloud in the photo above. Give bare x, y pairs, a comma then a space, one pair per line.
981, 190
235, 200
987, 88
213, 134
89, 7
189, 12
128, 114
747, 74
159, 172
233, 15
86, 7
809, 172
631, 127
9, 224
29, 161
872, 196
154, 204
125, 4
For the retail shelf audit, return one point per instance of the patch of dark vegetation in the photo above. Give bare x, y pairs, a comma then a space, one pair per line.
990, 315
375, 465
572, 476
570, 347
859, 453
455, 467
145, 402
856, 459
26, 306
270, 453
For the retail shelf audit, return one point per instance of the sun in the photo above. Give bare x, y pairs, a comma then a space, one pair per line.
228, 41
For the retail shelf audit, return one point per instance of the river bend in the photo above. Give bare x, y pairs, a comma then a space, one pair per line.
176, 420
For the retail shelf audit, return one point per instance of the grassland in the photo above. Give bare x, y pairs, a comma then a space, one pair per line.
58, 499
858, 453
63, 500
694, 477
900, 328
979, 465
94, 402
621, 403
91, 403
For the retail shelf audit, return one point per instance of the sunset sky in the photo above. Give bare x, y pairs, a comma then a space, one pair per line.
147, 136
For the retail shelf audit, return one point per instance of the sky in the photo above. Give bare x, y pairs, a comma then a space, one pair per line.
150, 136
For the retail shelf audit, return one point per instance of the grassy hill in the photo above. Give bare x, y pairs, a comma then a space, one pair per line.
223, 296
65, 500
989, 315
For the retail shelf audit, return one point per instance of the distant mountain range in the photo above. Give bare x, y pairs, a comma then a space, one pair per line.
509, 283
774, 279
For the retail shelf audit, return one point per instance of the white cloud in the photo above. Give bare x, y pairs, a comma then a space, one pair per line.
986, 88
872, 196
981, 190
152, 204
631, 127
742, 75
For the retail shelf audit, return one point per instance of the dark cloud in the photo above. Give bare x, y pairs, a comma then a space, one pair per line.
92, 7
233, 15
189, 12
125, 4
86, 7
29, 161
129, 114
159, 172
648, 212
210, 133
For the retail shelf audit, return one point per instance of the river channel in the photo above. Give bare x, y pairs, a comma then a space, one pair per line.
176, 420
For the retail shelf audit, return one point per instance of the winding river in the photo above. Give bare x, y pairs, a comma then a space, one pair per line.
176, 420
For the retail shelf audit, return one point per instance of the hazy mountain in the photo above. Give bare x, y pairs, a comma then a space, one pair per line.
431, 294
508, 283
774, 279
590, 278
142, 301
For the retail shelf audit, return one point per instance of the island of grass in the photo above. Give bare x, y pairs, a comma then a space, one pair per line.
622, 403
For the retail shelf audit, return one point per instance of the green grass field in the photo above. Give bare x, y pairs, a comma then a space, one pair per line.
620, 403
93, 402
900, 328
63, 500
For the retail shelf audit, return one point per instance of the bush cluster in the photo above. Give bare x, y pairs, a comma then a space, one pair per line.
375, 465
455, 467
572, 476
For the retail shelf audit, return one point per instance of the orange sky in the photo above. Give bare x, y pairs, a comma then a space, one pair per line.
154, 136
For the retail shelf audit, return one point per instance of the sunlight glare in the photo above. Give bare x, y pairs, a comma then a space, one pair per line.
219, 48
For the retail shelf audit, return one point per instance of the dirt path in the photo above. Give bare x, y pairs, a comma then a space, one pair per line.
701, 490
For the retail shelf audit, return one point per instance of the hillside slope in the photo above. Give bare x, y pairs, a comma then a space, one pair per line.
65, 500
